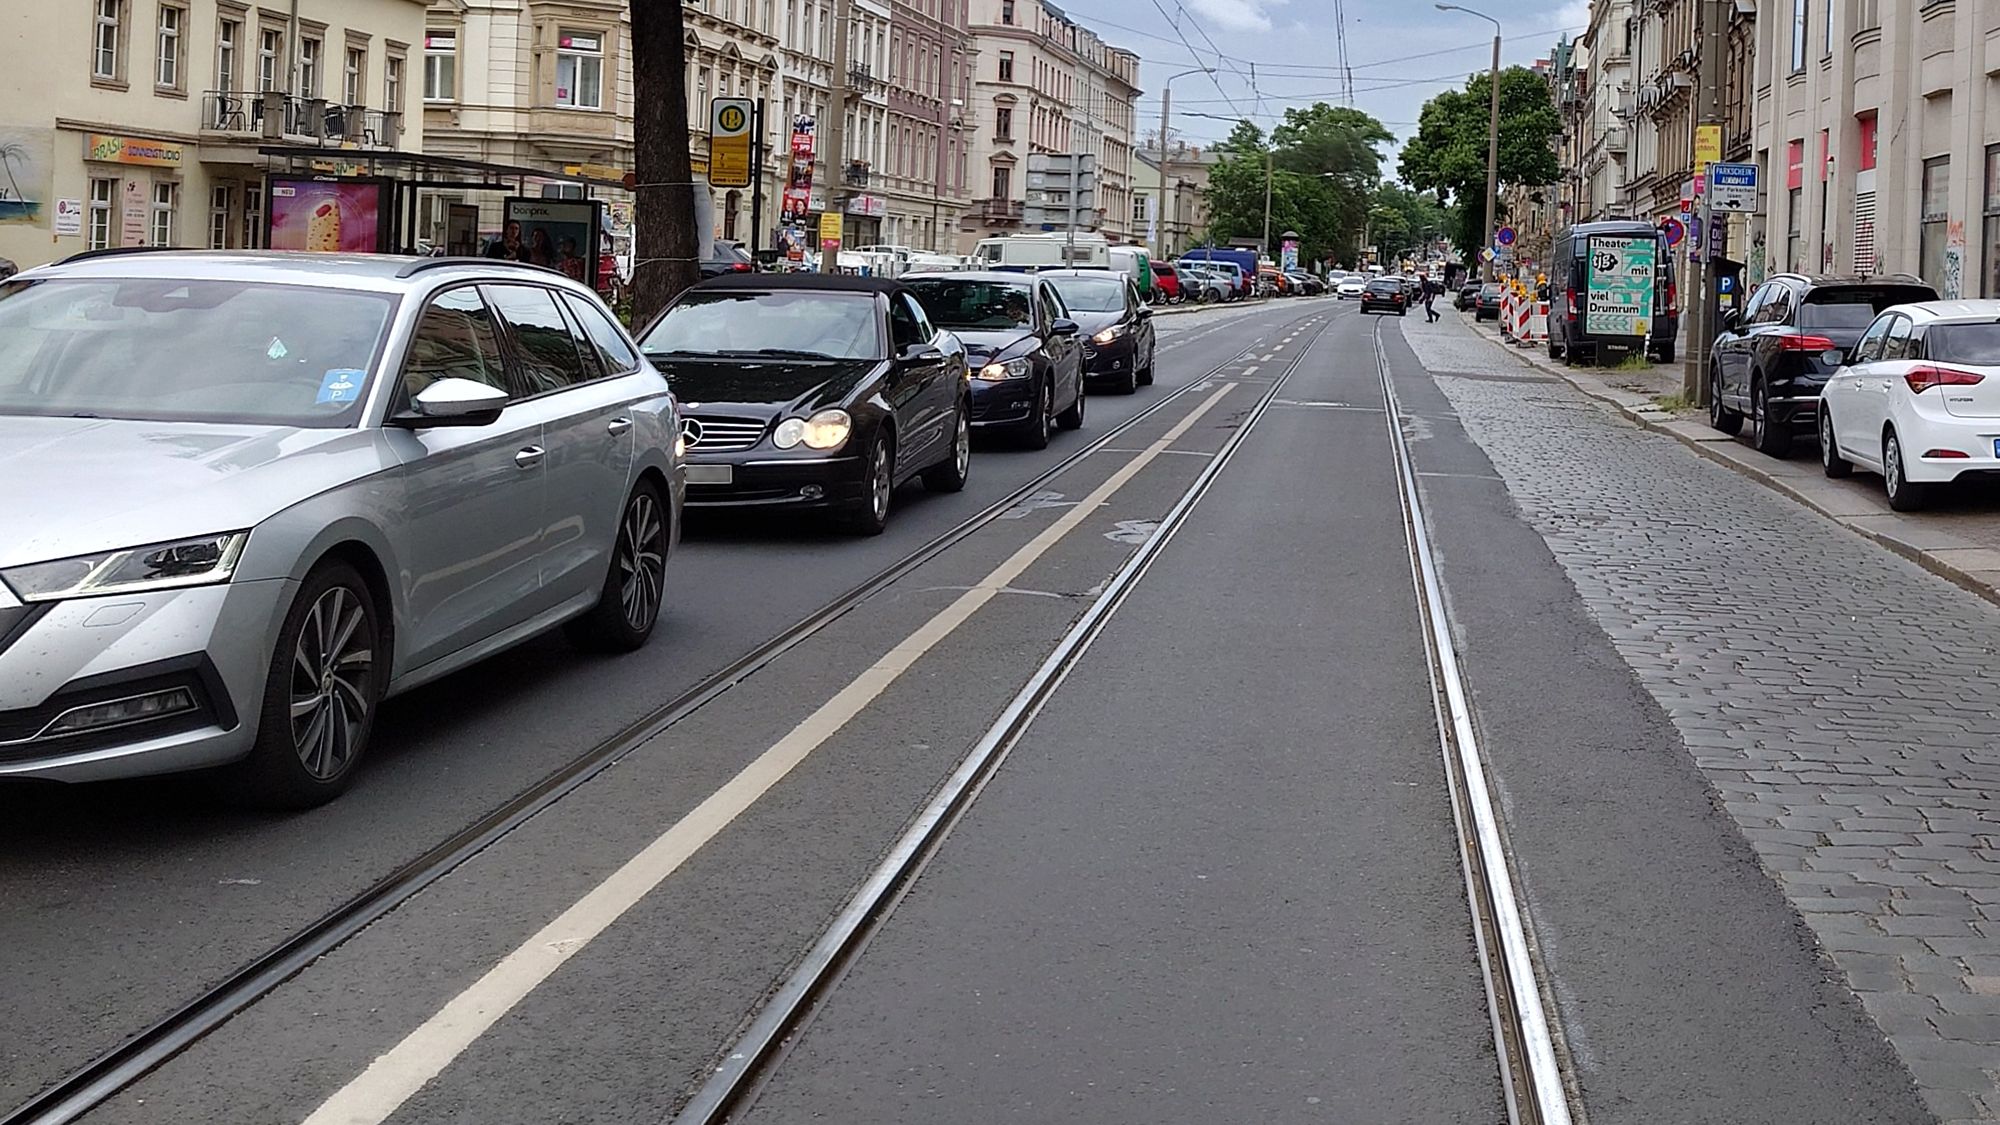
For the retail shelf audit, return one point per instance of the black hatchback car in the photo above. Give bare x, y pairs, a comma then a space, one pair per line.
1386, 294
1022, 346
1115, 326
1486, 302
1771, 360
813, 391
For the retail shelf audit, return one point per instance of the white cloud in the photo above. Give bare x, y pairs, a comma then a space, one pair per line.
1574, 14
1233, 15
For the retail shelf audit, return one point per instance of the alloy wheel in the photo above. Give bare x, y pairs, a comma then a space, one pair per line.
1892, 466
332, 689
642, 561
879, 483
961, 451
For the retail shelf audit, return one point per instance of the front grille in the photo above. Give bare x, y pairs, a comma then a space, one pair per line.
723, 435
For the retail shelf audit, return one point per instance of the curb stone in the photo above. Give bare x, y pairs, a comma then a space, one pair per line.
1974, 566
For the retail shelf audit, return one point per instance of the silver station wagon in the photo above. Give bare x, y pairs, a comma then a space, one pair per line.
245, 497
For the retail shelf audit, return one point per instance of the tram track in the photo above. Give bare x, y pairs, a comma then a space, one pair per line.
104, 1077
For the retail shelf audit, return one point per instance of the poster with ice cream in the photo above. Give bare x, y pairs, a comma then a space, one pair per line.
327, 216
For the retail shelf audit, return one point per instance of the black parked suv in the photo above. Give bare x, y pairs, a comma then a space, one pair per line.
1771, 360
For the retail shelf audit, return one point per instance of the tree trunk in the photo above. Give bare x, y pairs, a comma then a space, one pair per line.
665, 254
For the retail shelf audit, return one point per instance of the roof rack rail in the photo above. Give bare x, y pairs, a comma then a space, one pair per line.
114, 251
422, 264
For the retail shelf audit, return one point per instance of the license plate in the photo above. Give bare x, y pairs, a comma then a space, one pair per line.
711, 474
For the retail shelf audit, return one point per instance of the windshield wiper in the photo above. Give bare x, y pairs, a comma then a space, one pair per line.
776, 353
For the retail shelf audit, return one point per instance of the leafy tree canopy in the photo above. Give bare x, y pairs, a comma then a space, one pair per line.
1448, 154
1325, 162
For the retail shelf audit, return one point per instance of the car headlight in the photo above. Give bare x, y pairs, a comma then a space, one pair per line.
827, 429
1109, 334
789, 433
1010, 369
159, 566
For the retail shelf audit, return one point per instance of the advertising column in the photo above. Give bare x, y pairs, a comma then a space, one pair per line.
797, 201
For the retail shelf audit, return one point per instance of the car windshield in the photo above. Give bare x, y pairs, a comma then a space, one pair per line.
1489, 290
1852, 306
188, 351
800, 324
1091, 294
975, 305
1974, 344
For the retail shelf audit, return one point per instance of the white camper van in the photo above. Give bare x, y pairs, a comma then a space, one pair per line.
1049, 250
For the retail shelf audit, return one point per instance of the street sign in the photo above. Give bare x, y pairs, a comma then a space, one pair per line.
1618, 296
1732, 187
1504, 236
1674, 230
1487, 254
729, 142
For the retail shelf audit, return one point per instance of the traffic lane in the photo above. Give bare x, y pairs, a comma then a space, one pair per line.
128, 898
659, 993
1217, 880
1661, 935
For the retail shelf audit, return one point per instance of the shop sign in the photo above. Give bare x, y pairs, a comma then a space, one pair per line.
131, 150
133, 208
69, 216
868, 206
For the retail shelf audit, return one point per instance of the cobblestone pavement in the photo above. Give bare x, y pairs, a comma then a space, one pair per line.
1830, 691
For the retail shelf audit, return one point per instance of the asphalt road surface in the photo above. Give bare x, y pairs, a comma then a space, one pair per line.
1216, 880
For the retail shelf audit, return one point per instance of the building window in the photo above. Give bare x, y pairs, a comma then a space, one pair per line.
1932, 219
440, 65
1007, 12
311, 51
1003, 181
167, 75
104, 61
164, 200
1794, 239
1867, 14
102, 192
218, 217
1826, 30
580, 70
270, 59
1006, 66
253, 216
1990, 280
392, 84
353, 73
228, 34
1798, 35
1003, 124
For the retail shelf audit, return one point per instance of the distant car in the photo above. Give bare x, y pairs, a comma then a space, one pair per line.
1350, 288
1486, 305
813, 391
1307, 284
1918, 400
726, 257
1467, 295
1769, 364
1386, 294
1208, 285
245, 497
1115, 325
1166, 284
1024, 351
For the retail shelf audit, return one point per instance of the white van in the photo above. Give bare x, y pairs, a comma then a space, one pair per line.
1043, 251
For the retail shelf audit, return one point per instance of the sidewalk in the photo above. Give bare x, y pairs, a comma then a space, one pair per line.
1958, 539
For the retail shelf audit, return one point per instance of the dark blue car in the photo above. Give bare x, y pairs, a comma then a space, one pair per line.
1022, 348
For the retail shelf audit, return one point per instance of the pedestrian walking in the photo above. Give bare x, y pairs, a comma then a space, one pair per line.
1431, 291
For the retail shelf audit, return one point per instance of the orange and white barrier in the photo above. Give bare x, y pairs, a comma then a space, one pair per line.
1506, 311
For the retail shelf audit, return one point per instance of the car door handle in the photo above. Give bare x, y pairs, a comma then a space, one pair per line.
618, 426
530, 457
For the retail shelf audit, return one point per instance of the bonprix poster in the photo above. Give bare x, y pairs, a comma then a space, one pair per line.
1618, 299
559, 234
327, 216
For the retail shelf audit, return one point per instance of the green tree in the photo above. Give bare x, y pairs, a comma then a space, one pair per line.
1324, 160
1448, 154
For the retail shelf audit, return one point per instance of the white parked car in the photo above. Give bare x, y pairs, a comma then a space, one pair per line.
1351, 288
1918, 400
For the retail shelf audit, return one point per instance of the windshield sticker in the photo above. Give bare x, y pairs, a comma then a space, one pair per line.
277, 350
342, 384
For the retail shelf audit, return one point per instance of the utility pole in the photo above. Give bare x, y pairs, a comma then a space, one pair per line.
836, 128
1267, 197
1160, 201
1492, 133
1710, 29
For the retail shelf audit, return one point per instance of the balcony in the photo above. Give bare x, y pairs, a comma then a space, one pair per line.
998, 210
856, 174
273, 115
860, 78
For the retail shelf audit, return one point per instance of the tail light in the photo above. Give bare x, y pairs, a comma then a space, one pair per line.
741, 267
1793, 342
1673, 299
1570, 295
1948, 454
1925, 377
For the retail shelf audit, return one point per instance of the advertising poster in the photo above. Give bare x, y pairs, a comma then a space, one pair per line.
1618, 299
326, 215
133, 208
560, 234
798, 196
1288, 259
25, 166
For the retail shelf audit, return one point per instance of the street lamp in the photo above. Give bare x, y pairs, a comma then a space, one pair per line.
1492, 128
1166, 110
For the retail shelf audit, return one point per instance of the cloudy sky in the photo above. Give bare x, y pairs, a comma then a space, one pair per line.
1401, 52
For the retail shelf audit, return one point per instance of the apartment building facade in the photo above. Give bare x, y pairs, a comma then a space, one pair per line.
139, 122
1183, 220
923, 177
1045, 84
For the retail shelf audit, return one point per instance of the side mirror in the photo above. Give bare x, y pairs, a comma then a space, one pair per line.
919, 353
454, 402
1064, 326
1145, 312
1731, 318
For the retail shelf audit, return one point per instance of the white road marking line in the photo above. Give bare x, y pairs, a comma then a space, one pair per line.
396, 1075
1250, 370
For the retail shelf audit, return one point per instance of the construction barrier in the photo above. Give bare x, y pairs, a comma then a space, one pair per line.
1506, 311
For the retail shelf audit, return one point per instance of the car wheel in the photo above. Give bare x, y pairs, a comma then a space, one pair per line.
1830, 459
1072, 419
870, 514
1554, 352
949, 475
1666, 353
1905, 495
1146, 373
1041, 424
1720, 417
1772, 441
320, 694
635, 583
